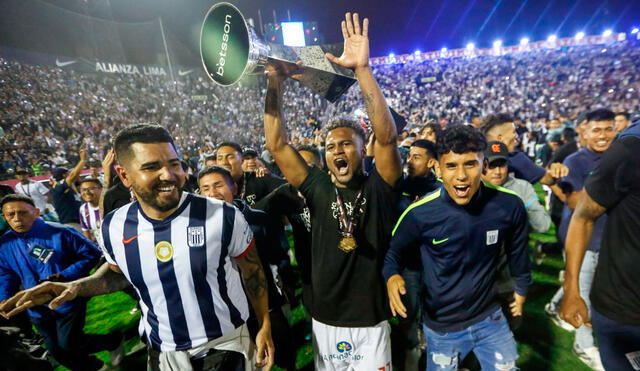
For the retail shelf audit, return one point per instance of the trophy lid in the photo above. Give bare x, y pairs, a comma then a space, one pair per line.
224, 44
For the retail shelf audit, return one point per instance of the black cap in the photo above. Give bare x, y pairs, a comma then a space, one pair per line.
496, 151
59, 172
20, 171
249, 152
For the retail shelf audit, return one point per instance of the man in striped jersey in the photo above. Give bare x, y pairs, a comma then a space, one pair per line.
90, 190
181, 252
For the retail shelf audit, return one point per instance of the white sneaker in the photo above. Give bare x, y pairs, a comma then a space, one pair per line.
117, 355
590, 357
552, 312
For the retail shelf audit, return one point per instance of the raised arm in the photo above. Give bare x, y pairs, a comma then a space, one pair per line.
107, 163
75, 172
292, 165
356, 57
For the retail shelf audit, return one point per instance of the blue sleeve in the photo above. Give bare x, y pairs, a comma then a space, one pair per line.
524, 168
84, 253
517, 253
574, 181
9, 283
405, 236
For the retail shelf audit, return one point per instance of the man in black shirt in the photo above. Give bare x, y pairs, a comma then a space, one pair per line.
268, 193
614, 188
420, 180
421, 161
251, 188
217, 182
66, 200
352, 214
569, 145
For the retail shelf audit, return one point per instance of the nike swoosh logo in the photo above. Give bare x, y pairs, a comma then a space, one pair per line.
439, 241
183, 73
129, 240
62, 64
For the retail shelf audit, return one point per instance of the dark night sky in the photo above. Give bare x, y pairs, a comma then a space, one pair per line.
400, 26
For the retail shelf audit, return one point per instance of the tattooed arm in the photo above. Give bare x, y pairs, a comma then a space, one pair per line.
573, 309
107, 279
356, 57
255, 286
293, 166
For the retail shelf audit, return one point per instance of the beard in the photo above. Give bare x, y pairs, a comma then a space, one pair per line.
151, 197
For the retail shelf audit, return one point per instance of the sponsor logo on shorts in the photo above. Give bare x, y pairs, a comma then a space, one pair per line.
343, 346
345, 352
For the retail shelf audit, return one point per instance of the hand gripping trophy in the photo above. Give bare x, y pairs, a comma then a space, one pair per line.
230, 49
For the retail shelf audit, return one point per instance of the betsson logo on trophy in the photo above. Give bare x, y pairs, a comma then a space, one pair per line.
223, 46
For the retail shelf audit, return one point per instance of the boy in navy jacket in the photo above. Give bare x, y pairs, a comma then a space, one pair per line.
459, 230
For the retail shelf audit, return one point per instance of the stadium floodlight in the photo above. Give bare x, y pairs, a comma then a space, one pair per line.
552, 38
392, 55
443, 50
417, 52
607, 33
497, 43
524, 41
580, 35
635, 30
471, 46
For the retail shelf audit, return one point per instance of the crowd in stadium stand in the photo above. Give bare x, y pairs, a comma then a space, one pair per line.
46, 112
457, 182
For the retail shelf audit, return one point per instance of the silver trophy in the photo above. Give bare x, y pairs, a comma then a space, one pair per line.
230, 49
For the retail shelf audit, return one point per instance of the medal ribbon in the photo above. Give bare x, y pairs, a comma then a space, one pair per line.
347, 224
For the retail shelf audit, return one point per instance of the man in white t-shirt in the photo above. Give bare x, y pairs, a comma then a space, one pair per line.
36, 190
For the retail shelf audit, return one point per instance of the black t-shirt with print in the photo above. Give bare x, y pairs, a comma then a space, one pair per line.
615, 185
348, 289
66, 202
253, 189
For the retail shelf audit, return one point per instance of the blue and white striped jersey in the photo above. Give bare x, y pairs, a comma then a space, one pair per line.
190, 289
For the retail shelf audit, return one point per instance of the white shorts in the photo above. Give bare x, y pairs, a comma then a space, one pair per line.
352, 348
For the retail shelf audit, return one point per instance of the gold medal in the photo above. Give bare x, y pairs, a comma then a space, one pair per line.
347, 244
347, 223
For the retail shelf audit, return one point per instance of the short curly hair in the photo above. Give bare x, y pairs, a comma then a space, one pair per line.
341, 122
461, 139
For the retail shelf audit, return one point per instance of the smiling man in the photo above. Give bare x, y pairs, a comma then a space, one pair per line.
352, 214
598, 134
460, 231
181, 252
